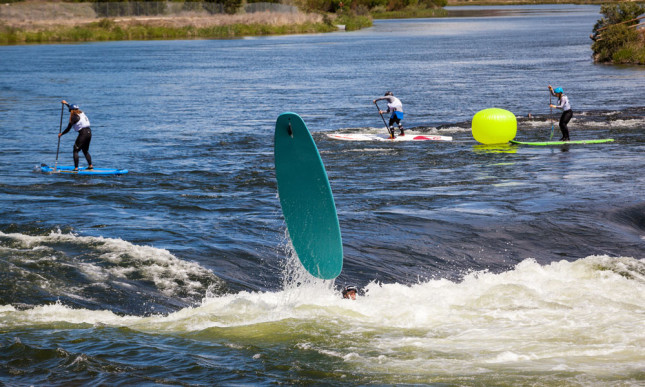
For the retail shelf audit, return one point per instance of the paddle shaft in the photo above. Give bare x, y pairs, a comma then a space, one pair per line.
383, 118
60, 129
551, 116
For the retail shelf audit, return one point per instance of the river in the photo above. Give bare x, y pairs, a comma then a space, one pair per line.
477, 265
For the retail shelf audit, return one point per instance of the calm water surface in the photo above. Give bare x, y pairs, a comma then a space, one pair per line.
477, 264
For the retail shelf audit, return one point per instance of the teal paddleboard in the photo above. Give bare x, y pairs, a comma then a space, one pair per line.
547, 143
65, 169
306, 198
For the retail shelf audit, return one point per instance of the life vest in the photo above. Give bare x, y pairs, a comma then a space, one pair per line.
83, 122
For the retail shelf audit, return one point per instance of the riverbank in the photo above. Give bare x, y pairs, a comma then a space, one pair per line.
521, 2
27, 23
143, 29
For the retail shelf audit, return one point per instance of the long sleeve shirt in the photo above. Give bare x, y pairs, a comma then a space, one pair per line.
393, 104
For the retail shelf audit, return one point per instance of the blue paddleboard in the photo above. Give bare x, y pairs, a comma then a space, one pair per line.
82, 171
306, 198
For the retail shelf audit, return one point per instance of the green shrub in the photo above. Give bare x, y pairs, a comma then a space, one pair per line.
618, 13
230, 6
354, 22
633, 53
614, 38
105, 23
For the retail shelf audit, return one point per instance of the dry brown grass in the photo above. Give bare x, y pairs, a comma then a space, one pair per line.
37, 15
267, 18
26, 14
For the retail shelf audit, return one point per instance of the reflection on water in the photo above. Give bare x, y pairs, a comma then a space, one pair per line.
495, 148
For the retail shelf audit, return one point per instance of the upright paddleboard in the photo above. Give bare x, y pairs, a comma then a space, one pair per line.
82, 171
385, 137
547, 143
306, 198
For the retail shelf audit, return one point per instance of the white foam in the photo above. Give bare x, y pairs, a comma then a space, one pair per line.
7, 308
170, 274
577, 316
628, 123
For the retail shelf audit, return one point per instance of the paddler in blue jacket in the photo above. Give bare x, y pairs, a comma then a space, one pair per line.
81, 124
567, 113
395, 107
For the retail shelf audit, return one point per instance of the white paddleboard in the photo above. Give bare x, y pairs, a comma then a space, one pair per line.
386, 137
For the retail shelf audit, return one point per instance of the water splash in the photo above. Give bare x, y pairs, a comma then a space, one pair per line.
86, 270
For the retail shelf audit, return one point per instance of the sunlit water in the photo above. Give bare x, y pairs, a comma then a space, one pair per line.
478, 265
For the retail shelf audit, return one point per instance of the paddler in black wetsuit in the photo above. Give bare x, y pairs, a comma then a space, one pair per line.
395, 107
81, 124
567, 113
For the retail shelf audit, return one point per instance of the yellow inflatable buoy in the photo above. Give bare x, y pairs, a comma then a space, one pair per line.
494, 126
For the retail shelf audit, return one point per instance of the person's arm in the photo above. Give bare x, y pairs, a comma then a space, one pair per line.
561, 102
551, 90
381, 99
553, 94
70, 124
73, 119
387, 97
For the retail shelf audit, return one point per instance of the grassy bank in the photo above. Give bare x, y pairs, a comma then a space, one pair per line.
44, 22
352, 22
630, 53
106, 29
620, 45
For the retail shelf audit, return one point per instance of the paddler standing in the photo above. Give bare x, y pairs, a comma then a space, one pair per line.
563, 103
81, 124
395, 107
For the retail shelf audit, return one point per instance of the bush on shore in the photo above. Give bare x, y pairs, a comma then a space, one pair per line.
352, 21
615, 38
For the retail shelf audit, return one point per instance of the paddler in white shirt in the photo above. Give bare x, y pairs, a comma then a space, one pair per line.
81, 124
395, 107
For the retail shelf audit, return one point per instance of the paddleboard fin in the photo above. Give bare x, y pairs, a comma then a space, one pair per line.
289, 129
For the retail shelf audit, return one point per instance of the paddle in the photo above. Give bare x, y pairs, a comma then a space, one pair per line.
387, 127
60, 129
551, 116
